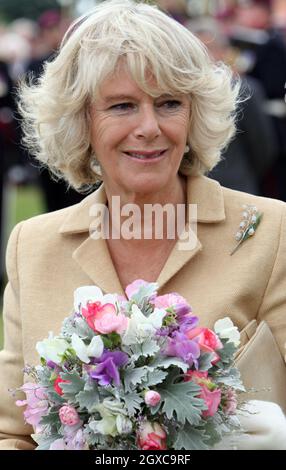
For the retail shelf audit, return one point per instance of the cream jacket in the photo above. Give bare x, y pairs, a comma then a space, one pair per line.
49, 256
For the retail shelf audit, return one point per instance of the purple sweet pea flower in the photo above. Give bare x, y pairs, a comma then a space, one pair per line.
181, 309
105, 368
52, 365
180, 346
187, 323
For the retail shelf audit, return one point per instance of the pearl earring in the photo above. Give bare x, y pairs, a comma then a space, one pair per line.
95, 167
187, 149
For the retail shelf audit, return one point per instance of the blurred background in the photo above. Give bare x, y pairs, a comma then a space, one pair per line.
249, 35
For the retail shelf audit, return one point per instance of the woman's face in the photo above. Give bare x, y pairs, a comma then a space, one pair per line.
138, 140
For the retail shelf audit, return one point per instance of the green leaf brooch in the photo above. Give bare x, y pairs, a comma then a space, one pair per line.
248, 225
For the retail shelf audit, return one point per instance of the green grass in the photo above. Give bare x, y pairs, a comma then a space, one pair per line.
29, 202
20, 203
1, 332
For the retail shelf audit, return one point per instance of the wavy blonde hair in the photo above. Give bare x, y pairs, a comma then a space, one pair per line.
56, 108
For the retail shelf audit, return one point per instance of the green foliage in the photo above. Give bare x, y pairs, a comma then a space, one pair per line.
132, 402
189, 438
143, 294
154, 378
180, 401
111, 341
166, 362
74, 386
44, 441
148, 348
231, 378
134, 376
52, 419
55, 398
76, 325
226, 354
92, 436
205, 361
88, 400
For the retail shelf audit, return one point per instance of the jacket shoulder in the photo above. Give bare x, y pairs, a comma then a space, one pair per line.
45, 224
235, 200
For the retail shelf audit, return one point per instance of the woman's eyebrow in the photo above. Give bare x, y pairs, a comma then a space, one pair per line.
110, 98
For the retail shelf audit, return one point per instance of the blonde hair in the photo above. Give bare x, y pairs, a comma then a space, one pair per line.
56, 108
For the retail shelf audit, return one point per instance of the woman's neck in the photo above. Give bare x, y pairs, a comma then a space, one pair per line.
146, 219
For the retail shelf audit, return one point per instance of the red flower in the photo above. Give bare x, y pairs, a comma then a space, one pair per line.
57, 386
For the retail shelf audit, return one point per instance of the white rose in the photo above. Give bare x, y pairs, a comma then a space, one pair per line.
226, 329
141, 327
52, 349
94, 349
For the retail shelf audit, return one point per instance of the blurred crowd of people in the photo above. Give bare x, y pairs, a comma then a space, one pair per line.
249, 35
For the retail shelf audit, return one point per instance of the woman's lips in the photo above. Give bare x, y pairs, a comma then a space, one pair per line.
146, 156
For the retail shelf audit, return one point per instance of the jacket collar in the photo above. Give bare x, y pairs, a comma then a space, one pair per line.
204, 192
93, 256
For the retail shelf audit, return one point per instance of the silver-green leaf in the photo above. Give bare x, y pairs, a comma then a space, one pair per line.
181, 402
189, 438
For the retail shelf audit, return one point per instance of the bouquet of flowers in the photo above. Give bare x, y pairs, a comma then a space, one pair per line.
134, 372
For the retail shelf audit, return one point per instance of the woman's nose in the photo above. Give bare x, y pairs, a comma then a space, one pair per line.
147, 125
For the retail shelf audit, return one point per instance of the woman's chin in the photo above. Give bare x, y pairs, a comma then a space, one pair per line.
145, 184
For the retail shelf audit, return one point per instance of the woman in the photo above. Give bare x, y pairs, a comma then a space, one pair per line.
134, 100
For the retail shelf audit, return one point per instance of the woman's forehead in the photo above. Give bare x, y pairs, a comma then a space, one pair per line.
124, 82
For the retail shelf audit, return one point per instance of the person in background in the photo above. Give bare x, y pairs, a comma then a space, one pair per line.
178, 9
52, 28
253, 151
256, 36
133, 100
7, 136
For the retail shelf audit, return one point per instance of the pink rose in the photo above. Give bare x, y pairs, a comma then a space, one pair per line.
177, 304
151, 436
37, 404
152, 398
68, 415
170, 300
134, 287
104, 319
212, 400
207, 340
209, 391
110, 322
196, 376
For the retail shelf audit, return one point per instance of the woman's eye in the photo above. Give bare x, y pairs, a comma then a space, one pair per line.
170, 104
122, 107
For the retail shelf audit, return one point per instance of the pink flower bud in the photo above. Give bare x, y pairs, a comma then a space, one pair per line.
68, 415
152, 398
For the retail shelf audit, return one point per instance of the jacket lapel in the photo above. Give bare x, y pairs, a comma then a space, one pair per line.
93, 256
206, 205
